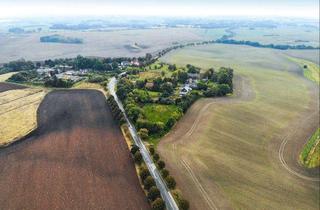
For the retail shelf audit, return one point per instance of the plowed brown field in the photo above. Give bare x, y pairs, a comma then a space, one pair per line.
76, 159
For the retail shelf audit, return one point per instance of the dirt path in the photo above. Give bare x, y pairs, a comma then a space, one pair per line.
76, 159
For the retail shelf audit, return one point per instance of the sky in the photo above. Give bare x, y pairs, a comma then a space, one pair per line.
203, 8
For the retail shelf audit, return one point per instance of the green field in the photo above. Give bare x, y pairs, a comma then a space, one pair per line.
225, 152
161, 113
310, 155
310, 69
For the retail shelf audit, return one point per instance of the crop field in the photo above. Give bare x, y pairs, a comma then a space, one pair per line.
131, 43
310, 69
309, 55
291, 35
76, 159
242, 151
4, 77
18, 108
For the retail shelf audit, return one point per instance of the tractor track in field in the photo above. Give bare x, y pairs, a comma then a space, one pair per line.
282, 149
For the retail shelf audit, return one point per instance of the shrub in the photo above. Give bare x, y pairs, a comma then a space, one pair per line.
151, 150
171, 121
149, 182
164, 173
182, 203
144, 173
138, 157
161, 164
143, 133
158, 204
156, 157
134, 149
153, 193
171, 183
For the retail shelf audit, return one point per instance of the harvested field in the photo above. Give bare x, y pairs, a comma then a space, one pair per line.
242, 152
4, 77
76, 159
9, 86
18, 111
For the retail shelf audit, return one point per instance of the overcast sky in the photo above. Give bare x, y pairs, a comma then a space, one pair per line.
283, 8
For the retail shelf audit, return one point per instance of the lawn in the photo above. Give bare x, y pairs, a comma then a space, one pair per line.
161, 113
224, 152
310, 155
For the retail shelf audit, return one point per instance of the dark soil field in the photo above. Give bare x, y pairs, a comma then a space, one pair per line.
76, 159
9, 86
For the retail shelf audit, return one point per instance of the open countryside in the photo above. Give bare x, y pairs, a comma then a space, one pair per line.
227, 150
159, 105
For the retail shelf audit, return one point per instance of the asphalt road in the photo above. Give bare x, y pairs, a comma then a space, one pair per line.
165, 192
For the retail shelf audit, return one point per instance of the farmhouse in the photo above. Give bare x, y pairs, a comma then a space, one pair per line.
185, 90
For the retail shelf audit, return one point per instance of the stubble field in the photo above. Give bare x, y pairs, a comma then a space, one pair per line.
241, 152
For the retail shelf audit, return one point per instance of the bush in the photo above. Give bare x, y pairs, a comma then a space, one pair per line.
143, 133
171, 121
158, 204
151, 150
134, 149
182, 203
149, 182
151, 126
171, 183
138, 157
153, 193
164, 173
161, 164
144, 173
156, 157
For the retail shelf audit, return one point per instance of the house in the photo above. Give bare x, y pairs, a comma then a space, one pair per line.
135, 63
125, 63
63, 67
194, 75
45, 71
185, 90
149, 85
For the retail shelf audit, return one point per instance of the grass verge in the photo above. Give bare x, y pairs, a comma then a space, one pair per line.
310, 154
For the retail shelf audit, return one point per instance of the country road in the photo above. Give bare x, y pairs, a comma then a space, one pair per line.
165, 192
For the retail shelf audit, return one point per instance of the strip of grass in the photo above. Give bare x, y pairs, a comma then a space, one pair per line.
310, 156
312, 70
161, 113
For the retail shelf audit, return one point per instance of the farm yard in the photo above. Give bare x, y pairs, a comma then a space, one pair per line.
76, 159
242, 152
18, 110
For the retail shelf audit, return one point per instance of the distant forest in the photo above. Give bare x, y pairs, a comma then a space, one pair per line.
61, 39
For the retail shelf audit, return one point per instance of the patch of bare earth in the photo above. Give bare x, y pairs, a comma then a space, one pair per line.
76, 159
